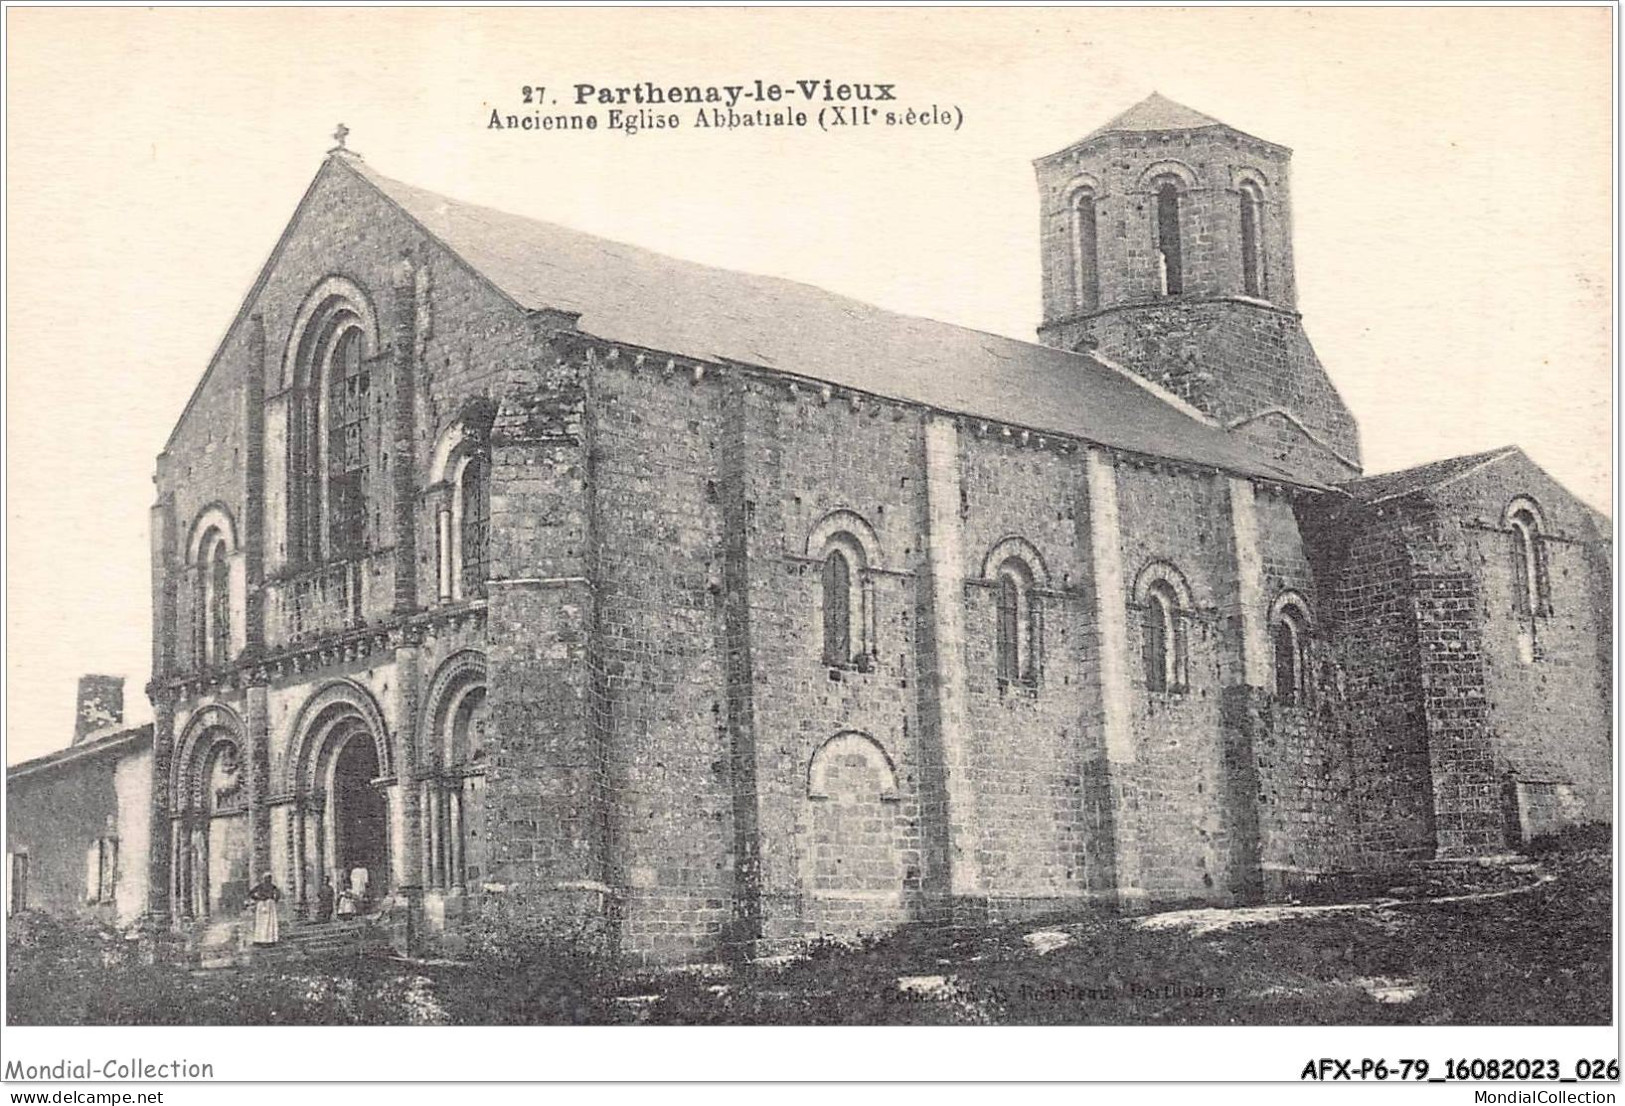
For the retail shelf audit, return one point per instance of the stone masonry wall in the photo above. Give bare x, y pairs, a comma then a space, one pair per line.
1367, 624
1035, 745
1545, 681
1306, 779
57, 813
1232, 360
657, 549
1183, 825
803, 460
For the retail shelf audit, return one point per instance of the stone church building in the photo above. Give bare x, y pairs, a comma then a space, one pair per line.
569, 588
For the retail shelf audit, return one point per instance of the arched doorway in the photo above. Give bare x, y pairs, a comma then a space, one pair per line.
360, 819
340, 773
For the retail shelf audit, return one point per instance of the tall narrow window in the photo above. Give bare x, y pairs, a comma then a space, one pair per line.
1016, 635
304, 471
1528, 564
1158, 630
476, 536
1009, 631
1289, 661
349, 399
1085, 247
837, 609
1162, 637
219, 613
101, 870
17, 897
1170, 260
1252, 240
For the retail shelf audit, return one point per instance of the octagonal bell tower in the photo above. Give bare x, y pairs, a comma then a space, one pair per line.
1167, 249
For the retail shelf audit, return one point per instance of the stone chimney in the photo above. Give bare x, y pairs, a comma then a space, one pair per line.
101, 705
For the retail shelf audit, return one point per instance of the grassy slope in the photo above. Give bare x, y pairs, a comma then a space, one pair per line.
1540, 957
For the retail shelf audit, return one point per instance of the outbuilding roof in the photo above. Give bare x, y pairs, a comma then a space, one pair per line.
1392, 485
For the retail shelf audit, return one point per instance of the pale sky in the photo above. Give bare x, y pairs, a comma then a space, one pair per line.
1451, 199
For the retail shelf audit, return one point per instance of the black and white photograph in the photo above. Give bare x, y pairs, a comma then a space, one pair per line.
1072, 517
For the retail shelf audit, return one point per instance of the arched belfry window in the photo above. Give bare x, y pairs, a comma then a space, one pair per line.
1165, 606
1530, 586
1169, 252
845, 548
1289, 634
1252, 239
1086, 249
333, 427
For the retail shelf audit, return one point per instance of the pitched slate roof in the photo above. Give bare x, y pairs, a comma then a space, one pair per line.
634, 296
1391, 485
121, 741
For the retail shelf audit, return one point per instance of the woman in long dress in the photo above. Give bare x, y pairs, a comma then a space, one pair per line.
264, 898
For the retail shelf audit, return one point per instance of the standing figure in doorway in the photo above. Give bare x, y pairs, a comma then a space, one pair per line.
263, 898
359, 878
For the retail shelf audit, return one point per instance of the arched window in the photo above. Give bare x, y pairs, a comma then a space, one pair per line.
459, 494
349, 399
1016, 639
333, 434
845, 548
1170, 257
1164, 602
1252, 239
209, 554
1289, 631
474, 501
218, 650
837, 609
1085, 249
1159, 630
1529, 581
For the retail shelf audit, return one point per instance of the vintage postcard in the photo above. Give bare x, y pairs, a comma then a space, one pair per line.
603, 517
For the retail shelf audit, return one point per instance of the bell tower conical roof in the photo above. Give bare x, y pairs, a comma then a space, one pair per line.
1156, 113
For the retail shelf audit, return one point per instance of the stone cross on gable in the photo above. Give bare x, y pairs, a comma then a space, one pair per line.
340, 135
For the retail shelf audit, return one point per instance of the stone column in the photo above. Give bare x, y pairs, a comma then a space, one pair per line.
443, 539
253, 520
257, 723
436, 838
408, 772
300, 862
403, 359
159, 871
